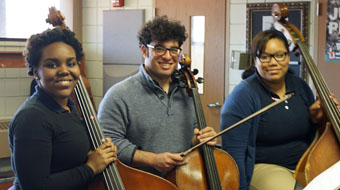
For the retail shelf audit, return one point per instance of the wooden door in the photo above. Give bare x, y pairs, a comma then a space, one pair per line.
329, 69
214, 47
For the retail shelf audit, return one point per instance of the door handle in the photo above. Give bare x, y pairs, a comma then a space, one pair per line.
216, 105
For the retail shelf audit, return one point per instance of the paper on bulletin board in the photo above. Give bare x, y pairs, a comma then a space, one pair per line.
332, 51
267, 22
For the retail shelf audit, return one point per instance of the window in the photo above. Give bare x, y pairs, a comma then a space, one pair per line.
22, 18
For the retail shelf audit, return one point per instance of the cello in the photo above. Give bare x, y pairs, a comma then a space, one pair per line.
324, 151
116, 176
208, 168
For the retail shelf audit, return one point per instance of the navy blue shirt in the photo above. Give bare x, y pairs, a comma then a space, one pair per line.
285, 131
49, 146
278, 136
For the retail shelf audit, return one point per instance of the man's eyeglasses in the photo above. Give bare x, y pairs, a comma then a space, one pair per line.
279, 57
161, 50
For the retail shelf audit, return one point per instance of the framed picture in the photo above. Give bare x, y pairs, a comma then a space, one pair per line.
259, 18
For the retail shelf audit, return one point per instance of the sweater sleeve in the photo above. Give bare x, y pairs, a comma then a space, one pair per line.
240, 141
112, 115
32, 156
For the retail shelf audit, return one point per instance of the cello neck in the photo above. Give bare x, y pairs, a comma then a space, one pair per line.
198, 108
207, 151
331, 108
186, 79
110, 173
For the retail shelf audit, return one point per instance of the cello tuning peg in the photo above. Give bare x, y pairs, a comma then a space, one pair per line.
200, 80
195, 71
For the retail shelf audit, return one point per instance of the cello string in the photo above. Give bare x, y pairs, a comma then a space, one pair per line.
317, 79
316, 76
112, 169
90, 122
89, 117
87, 120
109, 175
330, 106
325, 93
206, 153
108, 172
209, 160
210, 155
323, 90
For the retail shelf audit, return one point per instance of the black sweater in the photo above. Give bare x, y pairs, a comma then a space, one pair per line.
49, 146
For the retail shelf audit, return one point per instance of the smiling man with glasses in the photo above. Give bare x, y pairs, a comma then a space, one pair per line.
161, 50
148, 117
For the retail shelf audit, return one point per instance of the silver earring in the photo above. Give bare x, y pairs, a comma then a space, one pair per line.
36, 78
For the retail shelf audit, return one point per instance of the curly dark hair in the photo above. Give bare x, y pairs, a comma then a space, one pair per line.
37, 42
162, 29
258, 45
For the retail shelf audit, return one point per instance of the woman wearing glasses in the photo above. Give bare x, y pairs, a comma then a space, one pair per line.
268, 147
148, 117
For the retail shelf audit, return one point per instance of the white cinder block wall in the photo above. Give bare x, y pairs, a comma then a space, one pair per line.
15, 83
93, 37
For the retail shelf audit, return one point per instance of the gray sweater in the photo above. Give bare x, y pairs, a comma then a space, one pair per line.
137, 114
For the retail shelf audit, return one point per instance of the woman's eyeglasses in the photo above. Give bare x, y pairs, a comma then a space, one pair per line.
279, 57
161, 50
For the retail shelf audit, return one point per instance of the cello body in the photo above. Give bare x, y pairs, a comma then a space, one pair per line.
193, 175
320, 155
134, 179
138, 179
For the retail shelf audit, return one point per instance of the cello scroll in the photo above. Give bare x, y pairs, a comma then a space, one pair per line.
56, 18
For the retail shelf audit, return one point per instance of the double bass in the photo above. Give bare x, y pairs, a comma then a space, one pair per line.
207, 168
324, 151
116, 176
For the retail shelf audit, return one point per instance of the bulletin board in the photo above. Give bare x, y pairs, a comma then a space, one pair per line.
259, 18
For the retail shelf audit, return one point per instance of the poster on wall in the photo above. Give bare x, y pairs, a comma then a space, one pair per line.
332, 52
